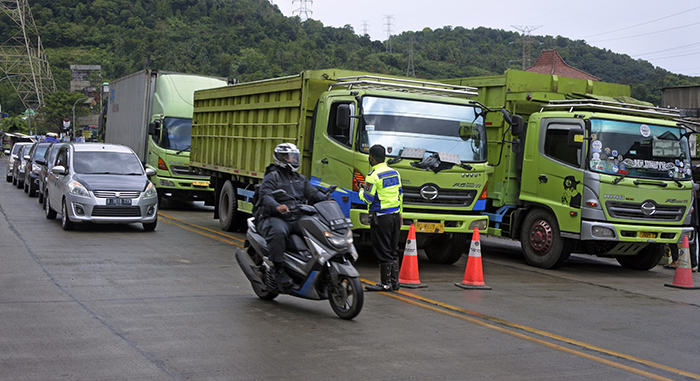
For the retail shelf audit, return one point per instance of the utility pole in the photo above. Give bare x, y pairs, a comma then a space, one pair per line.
22, 57
388, 24
303, 11
411, 70
526, 40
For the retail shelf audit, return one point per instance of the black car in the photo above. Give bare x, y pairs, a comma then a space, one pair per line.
45, 164
33, 169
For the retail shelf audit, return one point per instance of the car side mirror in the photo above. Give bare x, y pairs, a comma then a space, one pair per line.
59, 170
150, 172
6, 152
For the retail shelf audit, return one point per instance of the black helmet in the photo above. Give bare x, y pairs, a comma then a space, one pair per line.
287, 156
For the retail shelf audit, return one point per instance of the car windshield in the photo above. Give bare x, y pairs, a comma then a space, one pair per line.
39, 151
113, 163
176, 134
639, 150
437, 127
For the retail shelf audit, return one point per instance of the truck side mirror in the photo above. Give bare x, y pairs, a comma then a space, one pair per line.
342, 116
575, 138
517, 146
517, 125
154, 129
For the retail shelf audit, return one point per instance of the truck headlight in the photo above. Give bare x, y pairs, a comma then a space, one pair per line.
78, 189
603, 232
150, 191
481, 224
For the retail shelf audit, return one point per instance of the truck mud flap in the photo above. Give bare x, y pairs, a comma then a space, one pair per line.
247, 266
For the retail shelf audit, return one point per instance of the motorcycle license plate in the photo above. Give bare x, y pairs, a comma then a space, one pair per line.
647, 235
119, 201
430, 227
200, 183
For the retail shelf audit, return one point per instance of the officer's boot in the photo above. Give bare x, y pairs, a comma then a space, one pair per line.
385, 274
395, 275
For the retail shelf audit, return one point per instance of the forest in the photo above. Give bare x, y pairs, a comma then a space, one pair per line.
252, 39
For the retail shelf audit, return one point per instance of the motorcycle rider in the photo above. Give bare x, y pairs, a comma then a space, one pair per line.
274, 219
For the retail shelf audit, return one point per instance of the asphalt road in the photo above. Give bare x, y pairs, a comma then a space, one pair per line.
111, 302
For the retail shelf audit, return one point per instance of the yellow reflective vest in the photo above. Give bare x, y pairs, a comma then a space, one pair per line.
382, 190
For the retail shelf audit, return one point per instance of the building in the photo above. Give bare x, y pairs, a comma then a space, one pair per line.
550, 62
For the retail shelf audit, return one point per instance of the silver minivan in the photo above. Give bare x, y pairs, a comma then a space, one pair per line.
100, 183
12, 158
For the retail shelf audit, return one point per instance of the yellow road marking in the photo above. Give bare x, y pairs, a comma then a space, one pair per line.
462, 314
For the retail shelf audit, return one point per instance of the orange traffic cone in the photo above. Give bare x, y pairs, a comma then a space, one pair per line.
683, 277
473, 276
408, 277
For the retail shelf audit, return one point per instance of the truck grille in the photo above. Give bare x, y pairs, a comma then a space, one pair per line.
180, 170
113, 194
445, 197
634, 211
119, 211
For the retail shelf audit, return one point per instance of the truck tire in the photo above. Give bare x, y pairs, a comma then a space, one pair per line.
229, 216
446, 248
541, 240
644, 260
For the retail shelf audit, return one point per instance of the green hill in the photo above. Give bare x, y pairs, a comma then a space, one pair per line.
252, 39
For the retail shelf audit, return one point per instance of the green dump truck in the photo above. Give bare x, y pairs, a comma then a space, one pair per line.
151, 112
589, 172
433, 133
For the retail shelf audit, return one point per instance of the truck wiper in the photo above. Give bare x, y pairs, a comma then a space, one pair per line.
183, 150
662, 185
618, 179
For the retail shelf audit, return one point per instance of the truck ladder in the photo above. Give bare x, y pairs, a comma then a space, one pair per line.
397, 84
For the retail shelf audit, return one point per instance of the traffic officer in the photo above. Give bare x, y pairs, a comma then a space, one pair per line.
384, 194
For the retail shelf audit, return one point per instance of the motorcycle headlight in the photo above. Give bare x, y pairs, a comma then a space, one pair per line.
339, 241
150, 191
78, 189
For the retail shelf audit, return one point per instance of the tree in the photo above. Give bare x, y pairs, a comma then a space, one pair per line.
14, 124
59, 105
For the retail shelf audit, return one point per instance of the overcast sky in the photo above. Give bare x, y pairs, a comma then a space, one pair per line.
665, 33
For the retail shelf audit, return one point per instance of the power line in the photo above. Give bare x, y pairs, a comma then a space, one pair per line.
646, 34
644, 23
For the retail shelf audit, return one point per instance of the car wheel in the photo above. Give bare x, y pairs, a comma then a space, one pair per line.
32, 188
48, 212
66, 223
41, 197
150, 226
8, 178
25, 186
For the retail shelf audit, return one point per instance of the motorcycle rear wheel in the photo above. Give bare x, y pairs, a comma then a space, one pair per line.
263, 294
347, 297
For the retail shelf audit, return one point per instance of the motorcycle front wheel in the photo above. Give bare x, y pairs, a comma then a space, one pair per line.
347, 297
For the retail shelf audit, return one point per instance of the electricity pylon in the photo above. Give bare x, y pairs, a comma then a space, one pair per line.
527, 41
303, 11
22, 59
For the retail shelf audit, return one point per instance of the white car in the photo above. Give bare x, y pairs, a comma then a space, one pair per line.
12, 158
100, 183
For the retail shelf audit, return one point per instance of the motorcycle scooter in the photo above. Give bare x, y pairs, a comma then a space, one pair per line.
320, 261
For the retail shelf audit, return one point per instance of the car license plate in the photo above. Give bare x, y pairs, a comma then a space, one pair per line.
647, 235
200, 183
430, 227
119, 201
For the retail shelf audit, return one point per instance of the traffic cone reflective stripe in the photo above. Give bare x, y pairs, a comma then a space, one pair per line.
408, 276
473, 276
683, 277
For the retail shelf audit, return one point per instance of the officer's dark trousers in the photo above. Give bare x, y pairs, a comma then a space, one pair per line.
384, 232
276, 230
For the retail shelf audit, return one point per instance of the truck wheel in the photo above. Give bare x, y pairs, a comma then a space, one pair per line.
541, 241
229, 216
644, 260
446, 248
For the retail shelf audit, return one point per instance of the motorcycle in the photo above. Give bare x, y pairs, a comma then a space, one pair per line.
320, 261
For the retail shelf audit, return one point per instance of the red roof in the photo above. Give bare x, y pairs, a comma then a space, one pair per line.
550, 62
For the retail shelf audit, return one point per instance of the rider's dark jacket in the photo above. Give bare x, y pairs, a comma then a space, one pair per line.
295, 184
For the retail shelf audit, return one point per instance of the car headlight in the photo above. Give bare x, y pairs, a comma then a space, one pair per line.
339, 241
78, 189
36, 168
150, 191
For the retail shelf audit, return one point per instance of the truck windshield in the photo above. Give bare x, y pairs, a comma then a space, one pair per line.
639, 150
176, 134
437, 127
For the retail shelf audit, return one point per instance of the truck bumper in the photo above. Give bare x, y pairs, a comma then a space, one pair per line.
603, 231
426, 223
184, 188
